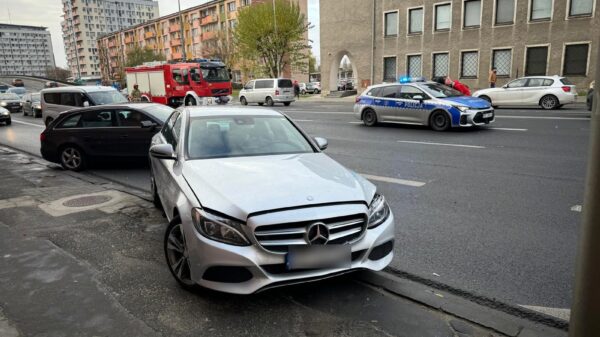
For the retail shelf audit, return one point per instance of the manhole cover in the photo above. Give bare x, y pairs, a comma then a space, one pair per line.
87, 201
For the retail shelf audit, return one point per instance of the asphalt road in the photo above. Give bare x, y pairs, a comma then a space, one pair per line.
486, 210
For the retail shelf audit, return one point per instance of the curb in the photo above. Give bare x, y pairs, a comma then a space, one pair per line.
488, 313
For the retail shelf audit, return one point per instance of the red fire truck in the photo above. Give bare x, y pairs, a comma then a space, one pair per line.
180, 83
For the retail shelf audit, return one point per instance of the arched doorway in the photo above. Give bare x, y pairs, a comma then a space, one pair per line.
342, 71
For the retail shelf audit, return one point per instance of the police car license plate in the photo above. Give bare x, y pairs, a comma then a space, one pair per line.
315, 257
488, 115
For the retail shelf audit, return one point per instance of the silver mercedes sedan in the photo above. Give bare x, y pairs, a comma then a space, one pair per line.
254, 203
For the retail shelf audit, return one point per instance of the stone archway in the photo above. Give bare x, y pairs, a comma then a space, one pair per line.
335, 66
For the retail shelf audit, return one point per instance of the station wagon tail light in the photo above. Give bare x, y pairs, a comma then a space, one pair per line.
276, 92
42, 137
566, 88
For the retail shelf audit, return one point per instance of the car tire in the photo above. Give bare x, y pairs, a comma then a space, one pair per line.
144, 99
37, 115
303, 92
9, 122
190, 101
549, 102
287, 103
486, 98
369, 117
48, 121
269, 101
24, 113
243, 101
175, 254
440, 121
72, 158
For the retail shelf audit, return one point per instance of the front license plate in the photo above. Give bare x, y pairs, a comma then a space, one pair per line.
318, 257
488, 115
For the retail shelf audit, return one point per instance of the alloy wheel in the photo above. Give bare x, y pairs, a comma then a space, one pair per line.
370, 118
71, 158
177, 255
549, 102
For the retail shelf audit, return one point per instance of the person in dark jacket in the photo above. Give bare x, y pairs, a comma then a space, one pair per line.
296, 89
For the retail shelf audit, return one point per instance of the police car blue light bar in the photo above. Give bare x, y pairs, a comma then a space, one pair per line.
408, 79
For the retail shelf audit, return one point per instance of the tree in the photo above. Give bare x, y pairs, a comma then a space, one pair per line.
222, 48
313, 67
58, 73
138, 55
274, 40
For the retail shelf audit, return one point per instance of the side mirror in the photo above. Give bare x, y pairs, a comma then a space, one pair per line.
419, 98
163, 151
86, 104
148, 125
322, 143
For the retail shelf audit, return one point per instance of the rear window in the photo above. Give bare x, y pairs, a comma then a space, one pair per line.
548, 82
70, 122
566, 81
160, 112
285, 84
375, 92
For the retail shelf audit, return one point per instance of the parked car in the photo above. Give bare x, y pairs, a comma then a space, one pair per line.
268, 91
80, 136
17, 82
17, 90
56, 100
32, 105
51, 84
422, 103
3, 88
312, 218
313, 87
302, 87
549, 92
11, 102
5, 116
590, 96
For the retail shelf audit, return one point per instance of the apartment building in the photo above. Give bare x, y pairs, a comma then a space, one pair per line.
25, 50
463, 39
202, 25
86, 20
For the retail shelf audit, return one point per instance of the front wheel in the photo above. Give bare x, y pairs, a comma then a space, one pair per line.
303, 92
190, 101
269, 101
486, 98
549, 102
439, 121
243, 101
72, 158
176, 252
370, 118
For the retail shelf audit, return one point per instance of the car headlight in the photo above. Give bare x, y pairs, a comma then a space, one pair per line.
379, 211
37, 106
462, 108
20, 103
5, 113
218, 228
2, 103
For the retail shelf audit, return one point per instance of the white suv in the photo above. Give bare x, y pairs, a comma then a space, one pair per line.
549, 92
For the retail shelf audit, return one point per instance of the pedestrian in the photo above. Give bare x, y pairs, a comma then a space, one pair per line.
136, 94
492, 78
296, 89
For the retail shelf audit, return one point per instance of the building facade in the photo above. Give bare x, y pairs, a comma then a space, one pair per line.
203, 26
463, 39
25, 50
86, 20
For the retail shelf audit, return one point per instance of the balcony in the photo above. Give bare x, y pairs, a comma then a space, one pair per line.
197, 38
208, 36
111, 44
128, 39
174, 28
196, 23
209, 19
175, 42
113, 53
176, 56
149, 35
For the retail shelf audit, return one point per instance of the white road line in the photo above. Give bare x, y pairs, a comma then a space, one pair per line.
508, 129
576, 208
555, 312
355, 122
27, 123
442, 144
545, 117
411, 183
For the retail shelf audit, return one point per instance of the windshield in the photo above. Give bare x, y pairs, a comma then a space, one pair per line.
160, 112
440, 91
215, 74
9, 96
107, 97
236, 136
285, 83
18, 91
35, 97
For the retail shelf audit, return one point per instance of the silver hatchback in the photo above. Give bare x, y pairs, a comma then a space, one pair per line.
254, 203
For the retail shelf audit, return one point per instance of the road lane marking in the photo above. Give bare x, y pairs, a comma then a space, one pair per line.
545, 117
411, 183
576, 208
442, 144
507, 129
563, 314
27, 123
355, 122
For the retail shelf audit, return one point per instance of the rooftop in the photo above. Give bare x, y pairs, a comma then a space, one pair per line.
9, 26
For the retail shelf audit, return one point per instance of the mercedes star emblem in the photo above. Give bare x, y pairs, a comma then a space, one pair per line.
317, 234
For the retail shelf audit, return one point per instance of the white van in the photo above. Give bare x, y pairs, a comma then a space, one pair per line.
268, 91
56, 100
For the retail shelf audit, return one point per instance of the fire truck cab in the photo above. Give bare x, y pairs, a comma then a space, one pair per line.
175, 84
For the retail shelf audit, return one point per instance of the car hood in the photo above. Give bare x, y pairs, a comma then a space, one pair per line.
471, 102
10, 100
244, 185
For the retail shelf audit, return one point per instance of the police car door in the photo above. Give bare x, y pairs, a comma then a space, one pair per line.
391, 107
412, 109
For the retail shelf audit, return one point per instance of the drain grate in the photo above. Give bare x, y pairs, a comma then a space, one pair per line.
87, 201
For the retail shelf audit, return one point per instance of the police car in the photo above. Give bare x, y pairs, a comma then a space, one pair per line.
416, 101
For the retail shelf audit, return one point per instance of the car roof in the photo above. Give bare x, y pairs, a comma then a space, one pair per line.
278, 78
139, 106
207, 111
83, 89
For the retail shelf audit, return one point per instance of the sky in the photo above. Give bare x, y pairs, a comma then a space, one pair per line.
47, 13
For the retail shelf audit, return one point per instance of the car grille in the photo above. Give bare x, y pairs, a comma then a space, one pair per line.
479, 117
220, 91
278, 238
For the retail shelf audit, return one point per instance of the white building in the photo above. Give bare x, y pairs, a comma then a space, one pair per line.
86, 20
25, 50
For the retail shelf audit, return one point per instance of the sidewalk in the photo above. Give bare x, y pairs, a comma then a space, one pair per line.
80, 256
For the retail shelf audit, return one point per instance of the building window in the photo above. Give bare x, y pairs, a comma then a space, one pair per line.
389, 69
472, 14
231, 6
415, 21
536, 60
576, 59
541, 9
505, 12
443, 17
441, 63
502, 61
391, 24
469, 64
413, 66
581, 7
